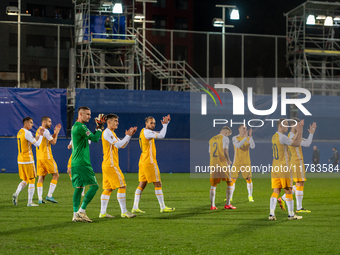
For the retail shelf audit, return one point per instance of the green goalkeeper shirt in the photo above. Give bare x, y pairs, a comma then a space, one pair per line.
80, 135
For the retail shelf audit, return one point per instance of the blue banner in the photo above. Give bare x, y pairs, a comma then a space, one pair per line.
16, 104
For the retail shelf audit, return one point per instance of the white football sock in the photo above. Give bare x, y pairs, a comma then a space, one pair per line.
122, 201
283, 197
81, 210
294, 189
104, 201
273, 201
51, 190
138, 194
40, 192
234, 186
160, 197
212, 195
229, 192
299, 197
30, 193
250, 189
21, 186
290, 205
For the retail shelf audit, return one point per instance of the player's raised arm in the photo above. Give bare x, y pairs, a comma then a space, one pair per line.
37, 140
296, 140
238, 144
307, 142
149, 133
251, 140
55, 134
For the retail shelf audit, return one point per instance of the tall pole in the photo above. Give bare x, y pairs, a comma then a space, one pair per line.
19, 20
58, 61
223, 47
144, 13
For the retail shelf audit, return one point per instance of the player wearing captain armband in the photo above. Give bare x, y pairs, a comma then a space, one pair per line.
242, 142
81, 169
220, 166
45, 162
298, 167
281, 174
113, 177
26, 166
148, 167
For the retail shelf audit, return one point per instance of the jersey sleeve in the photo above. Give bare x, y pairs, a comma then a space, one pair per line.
48, 135
109, 137
237, 143
252, 143
225, 142
29, 137
307, 142
285, 140
122, 143
86, 133
149, 134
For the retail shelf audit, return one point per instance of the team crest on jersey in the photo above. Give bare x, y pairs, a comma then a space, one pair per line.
88, 133
111, 136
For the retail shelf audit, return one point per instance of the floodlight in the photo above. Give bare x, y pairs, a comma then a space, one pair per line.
329, 21
217, 22
234, 15
12, 10
336, 18
310, 20
117, 8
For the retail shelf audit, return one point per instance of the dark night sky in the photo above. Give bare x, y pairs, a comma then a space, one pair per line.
265, 16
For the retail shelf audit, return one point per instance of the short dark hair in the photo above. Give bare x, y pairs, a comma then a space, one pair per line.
334, 148
44, 118
148, 118
26, 119
278, 123
111, 116
83, 108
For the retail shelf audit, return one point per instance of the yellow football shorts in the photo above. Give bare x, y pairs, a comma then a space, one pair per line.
149, 173
113, 178
46, 166
26, 171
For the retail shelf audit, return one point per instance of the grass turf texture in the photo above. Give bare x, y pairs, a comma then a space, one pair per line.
191, 229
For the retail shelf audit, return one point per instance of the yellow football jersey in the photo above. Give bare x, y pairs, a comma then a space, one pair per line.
216, 147
280, 164
110, 157
241, 155
44, 151
25, 153
148, 149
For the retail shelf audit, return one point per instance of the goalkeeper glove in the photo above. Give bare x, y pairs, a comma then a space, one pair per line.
100, 121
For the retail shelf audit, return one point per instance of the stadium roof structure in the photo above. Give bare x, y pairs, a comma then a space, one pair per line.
321, 8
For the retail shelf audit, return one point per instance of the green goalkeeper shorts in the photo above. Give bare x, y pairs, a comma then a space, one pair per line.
82, 176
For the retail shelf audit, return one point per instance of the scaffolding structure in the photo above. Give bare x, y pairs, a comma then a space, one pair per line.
128, 53
103, 60
313, 51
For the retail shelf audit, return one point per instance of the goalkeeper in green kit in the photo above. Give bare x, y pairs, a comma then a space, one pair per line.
81, 169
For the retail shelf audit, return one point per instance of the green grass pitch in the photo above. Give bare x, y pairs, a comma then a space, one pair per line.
191, 229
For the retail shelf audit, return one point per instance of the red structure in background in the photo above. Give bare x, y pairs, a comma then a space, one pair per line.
172, 15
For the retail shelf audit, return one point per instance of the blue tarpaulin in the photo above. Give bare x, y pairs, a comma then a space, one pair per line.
16, 104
